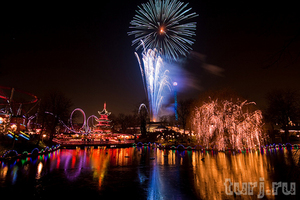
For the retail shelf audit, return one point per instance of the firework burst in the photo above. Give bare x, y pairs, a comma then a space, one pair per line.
164, 25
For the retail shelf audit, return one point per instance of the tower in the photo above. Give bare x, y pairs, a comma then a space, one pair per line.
103, 125
175, 100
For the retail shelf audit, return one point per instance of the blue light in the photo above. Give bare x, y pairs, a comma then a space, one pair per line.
175, 99
24, 137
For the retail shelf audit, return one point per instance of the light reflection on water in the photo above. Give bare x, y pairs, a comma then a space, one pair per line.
153, 173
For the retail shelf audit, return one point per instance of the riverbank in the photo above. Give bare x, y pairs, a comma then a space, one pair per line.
201, 148
96, 145
13, 154
10, 150
74, 143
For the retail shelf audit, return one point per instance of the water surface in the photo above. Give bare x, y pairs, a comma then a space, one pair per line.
147, 173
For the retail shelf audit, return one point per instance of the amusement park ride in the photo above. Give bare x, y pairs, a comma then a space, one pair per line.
12, 121
103, 125
15, 122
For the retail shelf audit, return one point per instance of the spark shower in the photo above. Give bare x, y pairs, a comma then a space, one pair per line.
155, 80
162, 27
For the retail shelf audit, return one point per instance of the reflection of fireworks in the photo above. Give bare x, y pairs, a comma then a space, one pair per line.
155, 79
163, 25
225, 124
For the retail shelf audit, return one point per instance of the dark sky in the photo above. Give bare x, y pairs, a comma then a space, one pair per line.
84, 50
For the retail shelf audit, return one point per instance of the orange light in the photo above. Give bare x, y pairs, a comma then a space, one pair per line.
162, 30
13, 127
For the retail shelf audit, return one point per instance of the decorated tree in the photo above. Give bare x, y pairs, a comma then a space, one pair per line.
230, 123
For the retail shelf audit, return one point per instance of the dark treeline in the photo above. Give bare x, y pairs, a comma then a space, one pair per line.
282, 112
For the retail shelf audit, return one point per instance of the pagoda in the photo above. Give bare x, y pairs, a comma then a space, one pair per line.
103, 125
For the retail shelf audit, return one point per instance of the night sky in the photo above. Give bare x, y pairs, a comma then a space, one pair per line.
84, 51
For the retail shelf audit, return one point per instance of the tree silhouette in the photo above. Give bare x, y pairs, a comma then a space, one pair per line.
283, 107
59, 107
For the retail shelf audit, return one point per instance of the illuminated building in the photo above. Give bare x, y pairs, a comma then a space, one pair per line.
103, 125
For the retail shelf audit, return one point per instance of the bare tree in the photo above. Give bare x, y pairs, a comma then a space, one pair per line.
143, 118
55, 106
283, 107
184, 111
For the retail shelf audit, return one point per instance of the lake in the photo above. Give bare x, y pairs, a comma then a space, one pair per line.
151, 173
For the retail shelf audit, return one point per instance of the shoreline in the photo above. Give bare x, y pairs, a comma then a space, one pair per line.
200, 148
107, 145
13, 154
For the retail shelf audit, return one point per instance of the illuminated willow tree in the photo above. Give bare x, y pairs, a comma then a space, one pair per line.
227, 124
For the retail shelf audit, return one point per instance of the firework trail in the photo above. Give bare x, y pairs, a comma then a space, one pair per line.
155, 80
164, 25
